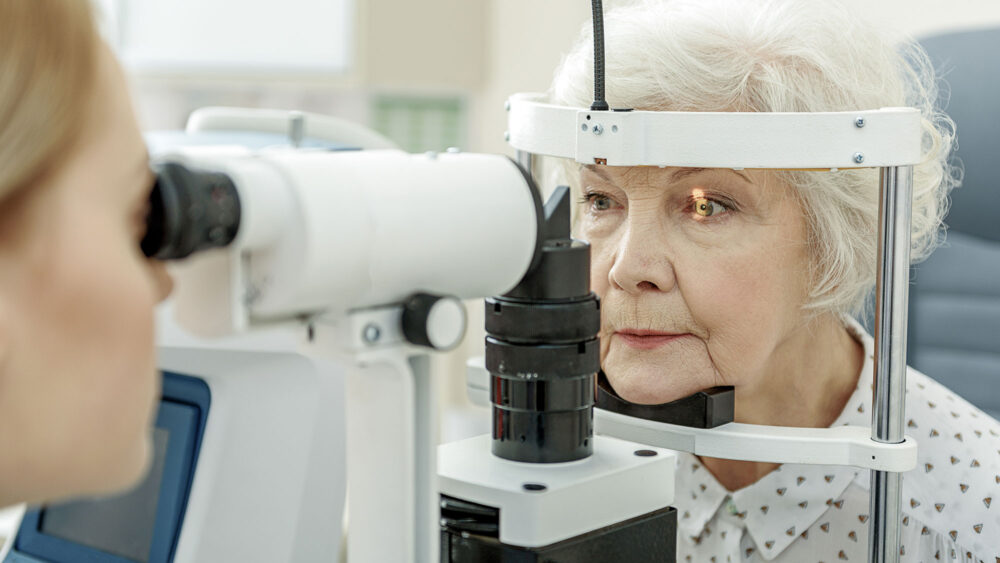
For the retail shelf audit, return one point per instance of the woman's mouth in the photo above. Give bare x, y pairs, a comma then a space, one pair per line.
647, 339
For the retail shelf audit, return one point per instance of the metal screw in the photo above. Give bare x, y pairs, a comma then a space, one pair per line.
371, 333
506, 135
859, 158
598, 129
859, 122
506, 105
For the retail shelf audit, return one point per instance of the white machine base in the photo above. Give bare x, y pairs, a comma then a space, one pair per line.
611, 486
841, 445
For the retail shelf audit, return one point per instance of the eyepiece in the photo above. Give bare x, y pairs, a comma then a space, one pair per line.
190, 210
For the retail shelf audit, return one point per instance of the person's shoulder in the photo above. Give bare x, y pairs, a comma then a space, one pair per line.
937, 418
957, 479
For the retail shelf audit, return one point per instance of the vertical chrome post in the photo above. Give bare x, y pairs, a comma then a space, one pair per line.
525, 159
888, 406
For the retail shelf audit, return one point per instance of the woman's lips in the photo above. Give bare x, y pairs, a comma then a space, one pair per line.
647, 339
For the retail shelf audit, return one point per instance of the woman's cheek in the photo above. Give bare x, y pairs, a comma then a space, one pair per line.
601, 257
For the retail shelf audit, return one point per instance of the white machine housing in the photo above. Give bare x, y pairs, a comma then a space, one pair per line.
611, 486
270, 480
328, 232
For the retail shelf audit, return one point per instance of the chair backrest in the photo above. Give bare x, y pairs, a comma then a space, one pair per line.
955, 298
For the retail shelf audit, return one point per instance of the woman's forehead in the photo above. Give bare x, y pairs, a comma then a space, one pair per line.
666, 175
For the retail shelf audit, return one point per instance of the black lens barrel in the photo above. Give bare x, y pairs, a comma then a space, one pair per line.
542, 379
190, 210
543, 353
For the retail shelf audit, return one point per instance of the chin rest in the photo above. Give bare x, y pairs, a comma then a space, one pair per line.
704, 409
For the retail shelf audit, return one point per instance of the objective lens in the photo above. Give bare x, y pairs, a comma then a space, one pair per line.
190, 210
543, 352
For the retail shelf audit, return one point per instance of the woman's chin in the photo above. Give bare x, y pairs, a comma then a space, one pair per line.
652, 379
647, 389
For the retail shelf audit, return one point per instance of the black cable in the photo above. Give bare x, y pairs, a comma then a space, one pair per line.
599, 102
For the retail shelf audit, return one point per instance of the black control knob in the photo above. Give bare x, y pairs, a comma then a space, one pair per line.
434, 321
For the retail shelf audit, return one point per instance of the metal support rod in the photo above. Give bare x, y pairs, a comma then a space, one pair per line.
525, 159
888, 405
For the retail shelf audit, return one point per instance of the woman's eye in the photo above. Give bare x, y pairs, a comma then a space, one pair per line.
598, 202
706, 207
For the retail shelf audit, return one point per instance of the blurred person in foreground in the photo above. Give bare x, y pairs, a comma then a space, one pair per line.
78, 380
754, 278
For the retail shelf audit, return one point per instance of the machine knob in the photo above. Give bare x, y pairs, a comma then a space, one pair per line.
434, 321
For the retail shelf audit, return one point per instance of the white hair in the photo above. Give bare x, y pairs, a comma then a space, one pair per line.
782, 55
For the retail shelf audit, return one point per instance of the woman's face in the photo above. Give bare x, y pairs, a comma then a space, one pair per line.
78, 383
702, 274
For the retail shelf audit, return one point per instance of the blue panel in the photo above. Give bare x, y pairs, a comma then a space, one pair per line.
71, 538
15, 557
194, 392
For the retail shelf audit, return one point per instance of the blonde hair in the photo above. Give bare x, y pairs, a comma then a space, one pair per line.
775, 56
48, 58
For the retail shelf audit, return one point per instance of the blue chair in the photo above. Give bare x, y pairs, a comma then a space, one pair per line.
954, 315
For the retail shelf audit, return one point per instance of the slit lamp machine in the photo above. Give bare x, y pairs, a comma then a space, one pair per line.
364, 257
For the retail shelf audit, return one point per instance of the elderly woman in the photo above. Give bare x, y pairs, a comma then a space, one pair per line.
752, 278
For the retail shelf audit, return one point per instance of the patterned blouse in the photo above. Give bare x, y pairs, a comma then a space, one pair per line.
816, 513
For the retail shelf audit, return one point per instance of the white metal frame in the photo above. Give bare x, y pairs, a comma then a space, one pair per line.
841, 445
870, 138
888, 138
392, 435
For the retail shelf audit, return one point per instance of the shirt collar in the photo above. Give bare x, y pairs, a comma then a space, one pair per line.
785, 503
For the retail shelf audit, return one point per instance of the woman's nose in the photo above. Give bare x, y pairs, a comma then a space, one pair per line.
162, 280
642, 263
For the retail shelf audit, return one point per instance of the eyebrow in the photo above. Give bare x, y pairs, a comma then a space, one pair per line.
682, 173
677, 176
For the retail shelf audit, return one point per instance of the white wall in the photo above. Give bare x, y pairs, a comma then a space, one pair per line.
919, 18
526, 41
484, 50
